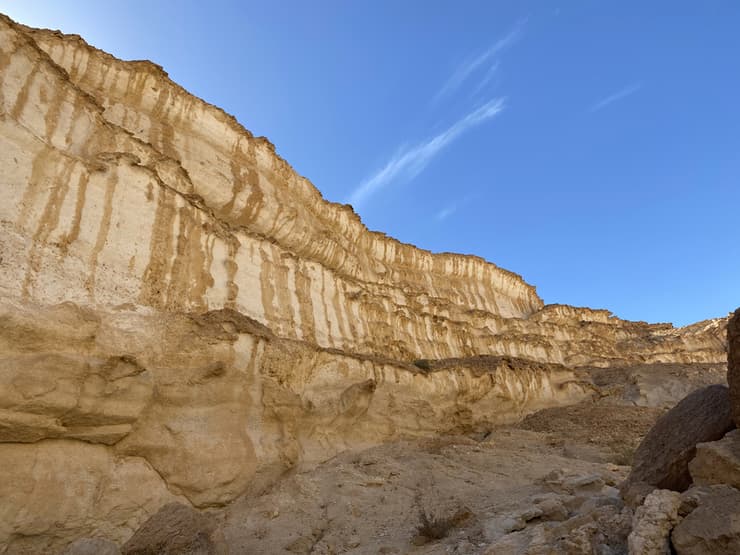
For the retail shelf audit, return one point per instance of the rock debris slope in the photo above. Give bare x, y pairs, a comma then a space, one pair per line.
183, 318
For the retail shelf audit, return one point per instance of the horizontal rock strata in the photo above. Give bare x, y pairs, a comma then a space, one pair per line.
201, 407
120, 187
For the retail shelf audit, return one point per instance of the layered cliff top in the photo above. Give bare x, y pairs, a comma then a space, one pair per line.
124, 188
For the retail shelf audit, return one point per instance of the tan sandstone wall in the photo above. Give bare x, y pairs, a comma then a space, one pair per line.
123, 188
105, 417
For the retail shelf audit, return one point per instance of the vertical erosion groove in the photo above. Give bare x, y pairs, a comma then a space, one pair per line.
103, 230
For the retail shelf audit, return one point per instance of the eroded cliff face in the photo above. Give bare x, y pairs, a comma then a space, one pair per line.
182, 317
146, 407
123, 188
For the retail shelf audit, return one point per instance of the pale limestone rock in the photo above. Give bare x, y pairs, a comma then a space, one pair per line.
602, 530
718, 462
653, 522
202, 452
56, 490
713, 528
51, 395
665, 388
235, 406
692, 497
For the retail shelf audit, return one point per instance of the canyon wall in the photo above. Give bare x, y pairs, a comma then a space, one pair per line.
182, 317
120, 187
105, 417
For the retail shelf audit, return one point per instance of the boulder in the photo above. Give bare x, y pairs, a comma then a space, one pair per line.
733, 363
177, 529
718, 462
653, 522
662, 459
691, 498
713, 527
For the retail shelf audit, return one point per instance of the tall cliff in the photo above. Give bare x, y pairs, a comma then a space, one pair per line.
180, 310
123, 188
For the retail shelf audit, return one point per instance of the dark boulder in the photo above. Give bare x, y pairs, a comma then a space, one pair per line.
733, 363
177, 529
662, 459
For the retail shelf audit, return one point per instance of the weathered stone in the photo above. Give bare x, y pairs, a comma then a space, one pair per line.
56, 395
91, 546
653, 522
691, 498
634, 493
202, 452
662, 459
733, 363
54, 491
713, 528
601, 530
177, 530
718, 462
217, 388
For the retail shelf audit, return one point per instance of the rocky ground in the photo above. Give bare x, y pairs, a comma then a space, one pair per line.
452, 494
545, 485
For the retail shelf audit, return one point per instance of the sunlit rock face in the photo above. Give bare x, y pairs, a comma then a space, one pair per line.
183, 317
121, 187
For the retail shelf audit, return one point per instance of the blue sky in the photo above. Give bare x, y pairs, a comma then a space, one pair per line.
593, 147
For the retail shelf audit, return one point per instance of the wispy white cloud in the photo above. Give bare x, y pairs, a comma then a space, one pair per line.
452, 207
466, 69
619, 95
410, 162
486, 78
446, 211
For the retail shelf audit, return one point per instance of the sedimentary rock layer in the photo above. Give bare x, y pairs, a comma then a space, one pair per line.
145, 407
120, 187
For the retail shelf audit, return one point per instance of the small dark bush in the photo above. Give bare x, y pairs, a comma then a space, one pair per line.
434, 528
